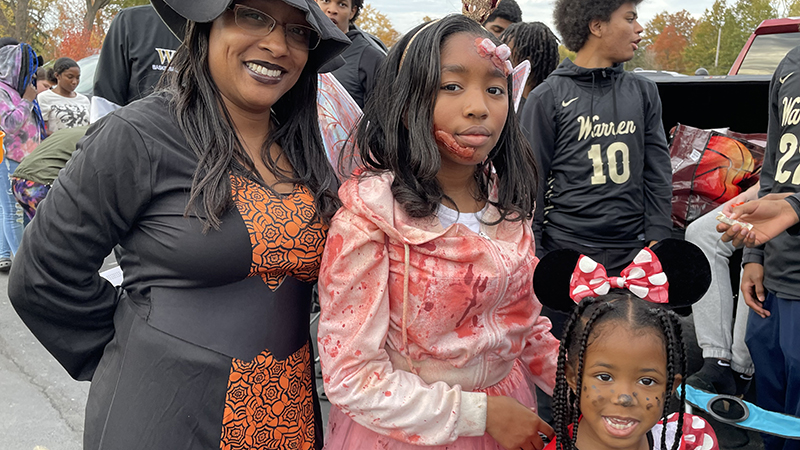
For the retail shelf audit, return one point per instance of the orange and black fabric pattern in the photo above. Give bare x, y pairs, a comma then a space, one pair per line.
286, 234
270, 404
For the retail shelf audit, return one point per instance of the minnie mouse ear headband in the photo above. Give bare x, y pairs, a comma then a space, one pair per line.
175, 14
673, 272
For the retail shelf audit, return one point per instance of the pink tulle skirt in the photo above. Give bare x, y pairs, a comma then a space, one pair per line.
343, 433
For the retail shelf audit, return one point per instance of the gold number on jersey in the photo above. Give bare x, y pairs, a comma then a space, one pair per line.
788, 146
614, 152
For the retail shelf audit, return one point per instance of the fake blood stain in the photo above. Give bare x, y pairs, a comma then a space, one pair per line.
450, 143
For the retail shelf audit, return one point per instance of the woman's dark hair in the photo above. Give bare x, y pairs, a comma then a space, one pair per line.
579, 332
572, 18
396, 131
63, 64
210, 132
535, 42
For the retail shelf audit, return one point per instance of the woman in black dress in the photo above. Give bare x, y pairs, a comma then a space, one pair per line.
217, 191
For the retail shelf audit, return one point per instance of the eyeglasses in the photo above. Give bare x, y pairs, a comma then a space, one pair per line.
259, 23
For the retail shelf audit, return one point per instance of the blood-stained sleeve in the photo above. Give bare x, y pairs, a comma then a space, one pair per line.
541, 352
358, 375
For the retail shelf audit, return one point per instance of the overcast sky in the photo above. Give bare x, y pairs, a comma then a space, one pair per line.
405, 14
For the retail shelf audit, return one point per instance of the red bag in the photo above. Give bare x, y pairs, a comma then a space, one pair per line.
710, 168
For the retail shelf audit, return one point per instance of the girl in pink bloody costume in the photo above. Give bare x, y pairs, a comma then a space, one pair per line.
430, 333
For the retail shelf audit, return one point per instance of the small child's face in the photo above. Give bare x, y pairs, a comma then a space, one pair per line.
624, 383
472, 104
620, 35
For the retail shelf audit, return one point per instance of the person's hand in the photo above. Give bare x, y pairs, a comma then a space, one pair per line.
747, 196
753, 288
769, 215
30, 93
513, 425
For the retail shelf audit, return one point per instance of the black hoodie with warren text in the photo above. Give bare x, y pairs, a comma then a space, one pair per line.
605, 176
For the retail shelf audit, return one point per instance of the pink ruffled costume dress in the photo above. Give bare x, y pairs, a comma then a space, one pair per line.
419, 323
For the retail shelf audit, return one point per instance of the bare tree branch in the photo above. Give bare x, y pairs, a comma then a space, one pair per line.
92, 7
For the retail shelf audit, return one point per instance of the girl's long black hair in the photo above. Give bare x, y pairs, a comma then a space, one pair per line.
622, 306
209, 130
396, 132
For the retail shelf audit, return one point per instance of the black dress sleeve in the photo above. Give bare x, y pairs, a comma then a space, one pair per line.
54, 283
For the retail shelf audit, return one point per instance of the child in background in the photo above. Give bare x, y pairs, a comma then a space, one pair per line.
43, 82
62, 107
430, 334
535, 42
622, 357
506, 13
21, 121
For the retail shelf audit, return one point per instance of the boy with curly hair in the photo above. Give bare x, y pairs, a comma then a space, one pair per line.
596, 131
362, 57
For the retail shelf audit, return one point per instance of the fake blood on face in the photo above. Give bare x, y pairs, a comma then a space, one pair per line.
454, 147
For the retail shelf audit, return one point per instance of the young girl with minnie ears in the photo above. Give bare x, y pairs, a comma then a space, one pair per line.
622, 357
430, 334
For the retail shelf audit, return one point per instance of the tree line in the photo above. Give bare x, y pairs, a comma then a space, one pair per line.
76, 28
681, 43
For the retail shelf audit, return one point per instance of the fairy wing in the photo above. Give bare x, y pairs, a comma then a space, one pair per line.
520, 77
338, 116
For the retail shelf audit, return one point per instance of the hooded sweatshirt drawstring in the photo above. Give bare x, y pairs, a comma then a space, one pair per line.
591, 106
404, 324
614, 94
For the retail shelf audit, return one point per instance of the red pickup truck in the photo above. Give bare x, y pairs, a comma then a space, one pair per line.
765, 48
739, 100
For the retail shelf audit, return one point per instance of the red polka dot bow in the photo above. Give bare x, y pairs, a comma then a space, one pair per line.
643, 277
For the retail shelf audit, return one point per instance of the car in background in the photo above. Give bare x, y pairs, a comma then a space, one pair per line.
88, 66
767, 46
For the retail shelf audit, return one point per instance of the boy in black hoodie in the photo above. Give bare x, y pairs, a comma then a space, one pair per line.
362, 57
605, 178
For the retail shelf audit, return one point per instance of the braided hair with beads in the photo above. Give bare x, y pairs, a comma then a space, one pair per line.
558, 283
619, 306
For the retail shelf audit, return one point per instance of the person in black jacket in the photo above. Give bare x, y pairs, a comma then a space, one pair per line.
770, 276
135, 53
365, 54
596, 131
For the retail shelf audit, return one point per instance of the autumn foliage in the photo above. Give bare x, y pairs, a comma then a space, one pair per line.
72, 39
374, 22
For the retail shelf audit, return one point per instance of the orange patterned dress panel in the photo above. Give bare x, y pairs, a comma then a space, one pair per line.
269, 404
286, 235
